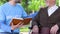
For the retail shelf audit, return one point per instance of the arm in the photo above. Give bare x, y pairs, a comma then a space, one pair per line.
4, 27
35, 24
24, 14
35, 21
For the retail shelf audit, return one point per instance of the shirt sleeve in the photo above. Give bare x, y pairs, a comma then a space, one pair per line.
3, 26
24, 14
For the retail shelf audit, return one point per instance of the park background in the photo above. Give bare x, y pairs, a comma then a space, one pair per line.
30, 6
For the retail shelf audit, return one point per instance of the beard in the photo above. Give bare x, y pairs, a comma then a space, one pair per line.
47, 4
17, 1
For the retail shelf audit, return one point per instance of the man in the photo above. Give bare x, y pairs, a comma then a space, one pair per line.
47, 21
8, 11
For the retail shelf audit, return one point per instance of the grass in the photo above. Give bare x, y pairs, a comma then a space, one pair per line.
24, 29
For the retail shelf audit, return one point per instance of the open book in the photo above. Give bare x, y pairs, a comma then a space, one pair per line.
16, 21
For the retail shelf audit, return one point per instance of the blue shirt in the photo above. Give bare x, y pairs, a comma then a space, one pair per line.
7, 12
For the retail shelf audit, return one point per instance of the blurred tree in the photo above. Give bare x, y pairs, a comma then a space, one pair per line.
34, 5
3, 1
57, 2
24, 3
31, 5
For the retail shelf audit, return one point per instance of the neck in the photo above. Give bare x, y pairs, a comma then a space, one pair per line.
51, 5
12, 3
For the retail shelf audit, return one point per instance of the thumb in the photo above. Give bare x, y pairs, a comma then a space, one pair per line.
11, 24
20, 23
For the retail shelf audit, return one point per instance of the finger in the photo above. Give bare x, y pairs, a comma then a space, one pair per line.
35, 26
51, 31
19, 23
55, 32
22, 23
11, 24
35, 30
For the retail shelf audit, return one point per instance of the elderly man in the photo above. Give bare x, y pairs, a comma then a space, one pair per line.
47, 21
8, 11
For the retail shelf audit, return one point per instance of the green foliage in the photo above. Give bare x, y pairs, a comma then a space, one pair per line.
30, 5
24, 3
57, 2
34, 5
3, 1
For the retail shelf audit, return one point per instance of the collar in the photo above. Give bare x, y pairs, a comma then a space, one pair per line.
53, 7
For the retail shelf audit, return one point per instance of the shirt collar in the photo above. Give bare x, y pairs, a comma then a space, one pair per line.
54, 6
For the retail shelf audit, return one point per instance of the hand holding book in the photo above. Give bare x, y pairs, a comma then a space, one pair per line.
25, 21
13, 27
19, 22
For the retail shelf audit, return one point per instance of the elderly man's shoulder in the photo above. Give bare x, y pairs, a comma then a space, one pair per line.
43, 7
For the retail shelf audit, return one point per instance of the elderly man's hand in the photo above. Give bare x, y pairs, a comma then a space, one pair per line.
35, 29
54, 29
13, 27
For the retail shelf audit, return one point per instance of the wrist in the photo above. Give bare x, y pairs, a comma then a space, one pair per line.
12, 28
